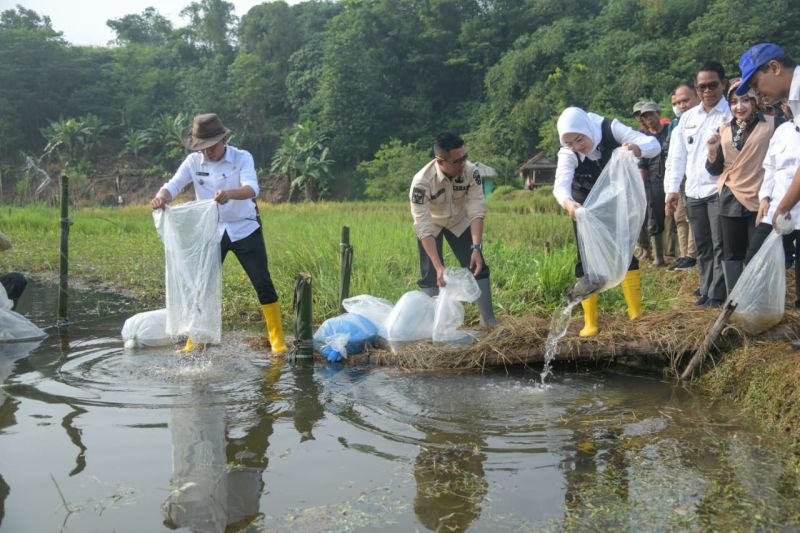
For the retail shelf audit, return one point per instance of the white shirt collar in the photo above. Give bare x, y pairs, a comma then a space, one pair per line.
794, 96
722, 106
227, 156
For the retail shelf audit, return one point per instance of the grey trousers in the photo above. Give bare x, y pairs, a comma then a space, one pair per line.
703, 214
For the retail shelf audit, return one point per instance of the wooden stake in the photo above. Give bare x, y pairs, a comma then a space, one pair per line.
713, 334
63, 282
347, 267
303, 317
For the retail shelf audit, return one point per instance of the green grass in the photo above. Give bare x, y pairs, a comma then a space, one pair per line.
529, 246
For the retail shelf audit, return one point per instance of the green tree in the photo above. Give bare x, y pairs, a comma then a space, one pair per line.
211, 26
390, 172
149, 27
35, 59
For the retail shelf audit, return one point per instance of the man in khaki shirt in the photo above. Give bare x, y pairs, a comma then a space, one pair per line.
13, 282
447, 202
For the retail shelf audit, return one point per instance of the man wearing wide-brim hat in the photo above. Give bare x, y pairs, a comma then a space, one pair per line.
227, 174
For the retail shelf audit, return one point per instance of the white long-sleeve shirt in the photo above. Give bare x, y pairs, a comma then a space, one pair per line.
780, 164
794, 96
235, 169
688, 150
567, 162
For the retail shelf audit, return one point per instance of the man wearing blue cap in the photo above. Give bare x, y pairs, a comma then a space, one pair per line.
774, 76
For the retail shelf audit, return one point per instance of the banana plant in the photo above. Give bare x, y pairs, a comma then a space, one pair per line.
303, 159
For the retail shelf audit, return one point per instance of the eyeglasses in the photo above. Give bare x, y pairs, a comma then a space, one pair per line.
710, 86
460, 161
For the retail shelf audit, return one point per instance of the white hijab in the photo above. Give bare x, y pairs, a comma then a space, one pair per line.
576, 120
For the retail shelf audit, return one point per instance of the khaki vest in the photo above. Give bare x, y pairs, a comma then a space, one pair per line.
743, 170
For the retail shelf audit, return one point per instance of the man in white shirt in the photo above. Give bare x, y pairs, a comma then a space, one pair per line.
228, 175
684, 97
687, 157
774, 76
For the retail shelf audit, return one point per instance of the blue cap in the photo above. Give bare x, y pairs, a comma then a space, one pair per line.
751, 60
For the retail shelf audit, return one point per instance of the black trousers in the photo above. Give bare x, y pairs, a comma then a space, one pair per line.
14, 283
736, 235
461, 249
703, 214
252, 255
579, 264
654, 189
759, 236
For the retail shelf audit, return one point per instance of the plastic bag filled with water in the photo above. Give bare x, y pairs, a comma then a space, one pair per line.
760, 292
411, 318
13, 326
609, 223
193, 270
449, 311
374, 309
148, 329
344, 335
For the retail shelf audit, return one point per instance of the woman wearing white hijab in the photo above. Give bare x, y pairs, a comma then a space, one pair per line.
587, 141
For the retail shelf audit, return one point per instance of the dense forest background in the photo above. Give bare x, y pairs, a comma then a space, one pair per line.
342, 99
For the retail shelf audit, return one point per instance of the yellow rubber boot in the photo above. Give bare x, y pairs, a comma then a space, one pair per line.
188, 348
632, 290
272, 317
589, 316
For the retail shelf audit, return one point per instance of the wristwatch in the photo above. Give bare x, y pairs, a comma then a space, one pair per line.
476, 247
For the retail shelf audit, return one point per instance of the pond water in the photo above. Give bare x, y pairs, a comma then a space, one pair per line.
94, 438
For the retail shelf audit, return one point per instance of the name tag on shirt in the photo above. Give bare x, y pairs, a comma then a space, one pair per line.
203, 174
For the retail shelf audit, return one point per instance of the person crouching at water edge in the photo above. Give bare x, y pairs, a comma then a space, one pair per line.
447, 202
228, 175
587, 141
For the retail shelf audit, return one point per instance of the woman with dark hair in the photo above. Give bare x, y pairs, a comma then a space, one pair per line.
736, 154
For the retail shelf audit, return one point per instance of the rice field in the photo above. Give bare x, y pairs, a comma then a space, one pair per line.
528, 244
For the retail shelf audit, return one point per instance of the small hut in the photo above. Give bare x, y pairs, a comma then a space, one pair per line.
488, 174
538, 170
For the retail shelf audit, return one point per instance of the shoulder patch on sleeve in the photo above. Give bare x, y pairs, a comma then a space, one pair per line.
418, 195
476, 175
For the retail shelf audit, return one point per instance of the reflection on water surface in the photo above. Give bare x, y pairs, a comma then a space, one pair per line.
96, 438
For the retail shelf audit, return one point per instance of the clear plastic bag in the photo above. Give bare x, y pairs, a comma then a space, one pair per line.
374, 309
13, 326
609, 222
760, 292
449, 312
146, 329
193, 270
411, 318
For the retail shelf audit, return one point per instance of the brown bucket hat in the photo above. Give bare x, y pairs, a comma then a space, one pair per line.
206, 130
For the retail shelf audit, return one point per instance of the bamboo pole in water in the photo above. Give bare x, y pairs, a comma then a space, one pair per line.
303, 317
63, 282
705, 348
347, 267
